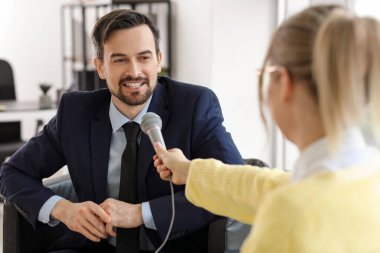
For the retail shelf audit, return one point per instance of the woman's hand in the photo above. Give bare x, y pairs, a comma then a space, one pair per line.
171, 164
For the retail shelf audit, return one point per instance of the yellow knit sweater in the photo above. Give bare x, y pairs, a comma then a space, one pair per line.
326, 212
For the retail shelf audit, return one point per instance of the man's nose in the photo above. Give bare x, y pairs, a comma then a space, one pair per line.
134, 69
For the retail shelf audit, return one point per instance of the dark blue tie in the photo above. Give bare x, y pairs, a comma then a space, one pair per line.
127, 239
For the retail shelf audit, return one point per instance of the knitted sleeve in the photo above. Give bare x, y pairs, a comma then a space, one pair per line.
235, 191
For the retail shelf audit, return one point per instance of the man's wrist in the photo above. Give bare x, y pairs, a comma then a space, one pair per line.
139, 214
44, 214
59, 209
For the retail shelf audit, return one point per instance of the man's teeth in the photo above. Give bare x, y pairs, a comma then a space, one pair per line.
133, 85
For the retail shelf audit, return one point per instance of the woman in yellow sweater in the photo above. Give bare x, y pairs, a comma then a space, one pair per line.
324, 75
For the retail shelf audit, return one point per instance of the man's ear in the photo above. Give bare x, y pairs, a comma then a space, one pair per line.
159, 60
287, 84
100, 68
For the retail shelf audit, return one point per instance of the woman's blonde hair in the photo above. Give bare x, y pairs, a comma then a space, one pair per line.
337, 55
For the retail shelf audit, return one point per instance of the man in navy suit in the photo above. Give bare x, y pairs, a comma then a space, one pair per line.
87, 136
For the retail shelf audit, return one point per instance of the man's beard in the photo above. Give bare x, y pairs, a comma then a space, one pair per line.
134, 98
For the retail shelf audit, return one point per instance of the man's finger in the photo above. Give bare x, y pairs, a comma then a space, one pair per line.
111, 230
101, 213
87, 233
98, 225
94, 229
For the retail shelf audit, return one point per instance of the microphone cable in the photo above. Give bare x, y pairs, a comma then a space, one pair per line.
172, 219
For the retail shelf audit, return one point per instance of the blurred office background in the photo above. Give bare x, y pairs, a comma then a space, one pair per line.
215, 43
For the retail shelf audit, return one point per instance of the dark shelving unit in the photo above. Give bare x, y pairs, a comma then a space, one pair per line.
77, 21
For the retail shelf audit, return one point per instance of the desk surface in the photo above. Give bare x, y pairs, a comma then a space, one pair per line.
26, 112
17, 106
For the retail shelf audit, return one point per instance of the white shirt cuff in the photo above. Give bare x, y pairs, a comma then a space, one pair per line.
44, 214
147, 216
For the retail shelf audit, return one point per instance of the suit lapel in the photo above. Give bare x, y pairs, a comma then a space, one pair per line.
101, 132
158, 105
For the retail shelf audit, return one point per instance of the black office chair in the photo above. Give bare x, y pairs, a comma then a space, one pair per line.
10, 132
7, 87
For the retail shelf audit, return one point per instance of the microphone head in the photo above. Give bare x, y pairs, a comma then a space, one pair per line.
150, 120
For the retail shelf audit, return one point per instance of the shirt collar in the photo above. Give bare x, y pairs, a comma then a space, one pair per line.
118, 119
316, 157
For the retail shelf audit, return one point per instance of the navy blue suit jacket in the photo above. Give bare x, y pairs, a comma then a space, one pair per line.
79, 136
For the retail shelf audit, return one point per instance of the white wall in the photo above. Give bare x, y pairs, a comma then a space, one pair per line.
216, 43
30, 40
368, 8
192, 41
242, 30
220, 44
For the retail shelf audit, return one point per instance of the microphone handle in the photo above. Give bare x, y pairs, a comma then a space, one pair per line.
155, 135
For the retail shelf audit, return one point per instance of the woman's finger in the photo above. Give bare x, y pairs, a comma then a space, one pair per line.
165, 175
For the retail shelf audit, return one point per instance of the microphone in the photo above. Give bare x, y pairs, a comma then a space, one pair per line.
151, 125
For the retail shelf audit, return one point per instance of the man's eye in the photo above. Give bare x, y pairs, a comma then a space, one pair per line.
145, 58
119, 60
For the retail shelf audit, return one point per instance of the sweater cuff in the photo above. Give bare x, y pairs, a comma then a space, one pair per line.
199, 168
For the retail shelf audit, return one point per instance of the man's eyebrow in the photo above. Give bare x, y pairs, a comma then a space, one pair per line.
145, 52
118, 55
125, 55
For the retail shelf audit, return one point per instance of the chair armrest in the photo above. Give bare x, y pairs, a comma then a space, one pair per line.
236, 233
226, 235
20, 237
62, 186
11, 220
217, 235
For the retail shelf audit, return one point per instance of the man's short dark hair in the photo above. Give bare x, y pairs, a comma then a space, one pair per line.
116, 20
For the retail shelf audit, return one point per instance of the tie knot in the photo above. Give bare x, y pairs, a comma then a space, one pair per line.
131, 130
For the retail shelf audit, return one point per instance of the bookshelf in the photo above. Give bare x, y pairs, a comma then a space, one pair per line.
77, 21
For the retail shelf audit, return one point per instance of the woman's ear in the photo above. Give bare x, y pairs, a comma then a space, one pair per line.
287, 84
100, 68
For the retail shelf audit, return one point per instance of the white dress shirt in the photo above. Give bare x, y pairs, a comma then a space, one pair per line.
317, 157
118, 143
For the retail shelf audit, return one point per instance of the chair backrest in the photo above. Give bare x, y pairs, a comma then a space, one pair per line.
10, 132
7, 86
